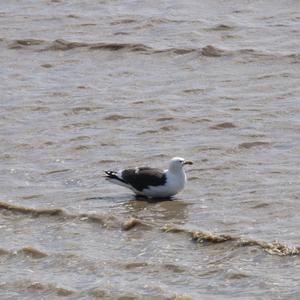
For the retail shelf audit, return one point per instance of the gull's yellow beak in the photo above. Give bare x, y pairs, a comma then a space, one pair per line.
188, 162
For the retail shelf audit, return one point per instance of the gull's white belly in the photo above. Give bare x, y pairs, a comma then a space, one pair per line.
173, 186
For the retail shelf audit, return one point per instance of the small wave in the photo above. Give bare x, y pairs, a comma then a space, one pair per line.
112, 222
72, 16
120, 46
77, 125
162, 119
135, 265
32, 252
116, 117
106, 161
249, 145
123, 21
82, 147
121, 33
213, 51
106, 221
47, 66
201, 236
208, 50
168, 128
27, 251
37, 286
169, 267
194, 91
80, 138
35, 212
81, 109
232, 275
224, 125
29, 197
99, 293
63, 45
178, 51
133, 222
98, 219
147, 132
20, 44
222, 27
32, 211
260, 205
273, 248
174, 268
87, 24
56, 171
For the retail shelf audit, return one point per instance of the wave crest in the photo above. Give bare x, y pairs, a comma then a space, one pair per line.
207, 51
273, 248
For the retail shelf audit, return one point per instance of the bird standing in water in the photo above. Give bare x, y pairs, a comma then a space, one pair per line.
152, 182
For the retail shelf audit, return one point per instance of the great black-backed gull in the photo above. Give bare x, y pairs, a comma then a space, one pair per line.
151, 182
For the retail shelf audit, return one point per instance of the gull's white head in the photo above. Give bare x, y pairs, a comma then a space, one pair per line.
177, 163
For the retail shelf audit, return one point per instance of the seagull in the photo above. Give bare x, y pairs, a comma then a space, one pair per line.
152, 182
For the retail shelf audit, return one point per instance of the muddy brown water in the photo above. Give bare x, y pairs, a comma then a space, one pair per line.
92, 85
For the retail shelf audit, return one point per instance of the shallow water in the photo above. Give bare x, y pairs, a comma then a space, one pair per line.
92, 85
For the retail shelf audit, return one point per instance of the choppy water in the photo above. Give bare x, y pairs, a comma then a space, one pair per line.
92, 85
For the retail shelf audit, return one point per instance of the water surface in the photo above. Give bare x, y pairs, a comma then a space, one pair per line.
92, 85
